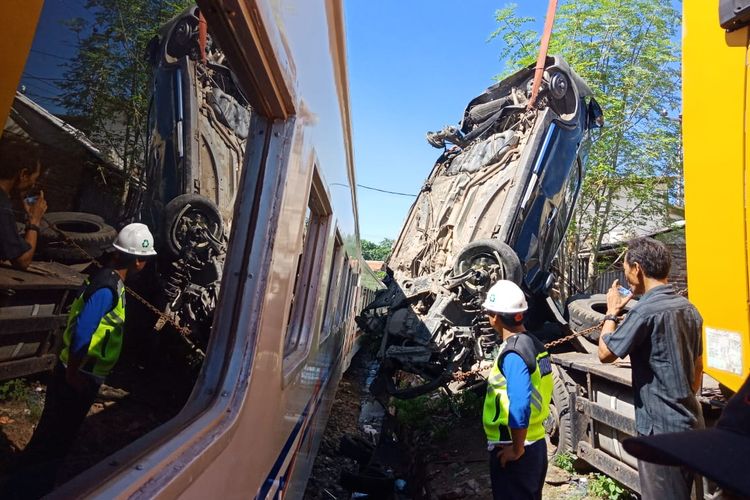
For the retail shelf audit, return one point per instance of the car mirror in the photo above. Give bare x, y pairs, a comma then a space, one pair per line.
596, 115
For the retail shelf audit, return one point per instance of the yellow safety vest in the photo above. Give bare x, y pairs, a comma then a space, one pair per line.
106, 341
497, 403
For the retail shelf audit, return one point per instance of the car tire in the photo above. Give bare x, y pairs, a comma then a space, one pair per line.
188, 205
586, 311
508, 258
88, 231
558, 426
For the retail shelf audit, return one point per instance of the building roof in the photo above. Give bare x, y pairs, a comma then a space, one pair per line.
375, 265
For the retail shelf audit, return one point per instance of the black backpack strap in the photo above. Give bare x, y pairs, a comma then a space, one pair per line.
104, 278
525, 346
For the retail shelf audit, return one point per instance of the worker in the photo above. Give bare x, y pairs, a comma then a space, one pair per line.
519, 389
721, 453
662, 336
20, 167
91, 347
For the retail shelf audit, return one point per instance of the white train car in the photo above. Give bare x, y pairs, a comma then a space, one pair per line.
284, 328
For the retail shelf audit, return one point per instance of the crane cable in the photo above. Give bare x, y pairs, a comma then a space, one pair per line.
542, 57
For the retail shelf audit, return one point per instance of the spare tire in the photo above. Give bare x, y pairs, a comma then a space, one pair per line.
188, 210
586, 311
484, 250
62, 231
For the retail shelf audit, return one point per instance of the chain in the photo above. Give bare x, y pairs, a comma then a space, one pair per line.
163, 318
573, 335
461, 376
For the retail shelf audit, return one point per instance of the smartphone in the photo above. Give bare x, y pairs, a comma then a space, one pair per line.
624, 292
30, 200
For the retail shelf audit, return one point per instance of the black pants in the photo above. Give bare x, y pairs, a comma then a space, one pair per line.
662, 482
522, 479
65, 409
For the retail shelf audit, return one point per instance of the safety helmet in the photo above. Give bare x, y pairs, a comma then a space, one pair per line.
505, 297
135, 239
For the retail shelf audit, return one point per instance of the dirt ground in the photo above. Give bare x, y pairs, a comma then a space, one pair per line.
454, 461
144, 390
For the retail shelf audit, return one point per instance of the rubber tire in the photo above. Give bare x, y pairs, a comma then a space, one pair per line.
510, 261
584, 312
388, 368
561, 403
93, 241
174, 210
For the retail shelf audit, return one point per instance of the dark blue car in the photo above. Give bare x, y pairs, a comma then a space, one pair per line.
496, 205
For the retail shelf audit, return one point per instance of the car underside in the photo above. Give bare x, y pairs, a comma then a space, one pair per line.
496, 205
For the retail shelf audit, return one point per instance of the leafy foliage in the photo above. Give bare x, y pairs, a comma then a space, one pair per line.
20, 390
627, 53
14, 390
106, 86
376, 251
435, 416
565, 461
602, 486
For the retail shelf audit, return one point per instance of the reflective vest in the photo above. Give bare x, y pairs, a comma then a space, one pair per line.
106, 341
497, 403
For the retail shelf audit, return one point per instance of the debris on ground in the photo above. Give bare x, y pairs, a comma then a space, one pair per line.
447, 435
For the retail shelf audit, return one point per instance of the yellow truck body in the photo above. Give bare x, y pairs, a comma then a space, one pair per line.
715, 138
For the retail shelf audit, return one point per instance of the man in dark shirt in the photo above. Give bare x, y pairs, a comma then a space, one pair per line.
662, 336
20, 167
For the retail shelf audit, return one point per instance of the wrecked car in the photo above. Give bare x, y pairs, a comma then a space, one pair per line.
197, 128
496, 205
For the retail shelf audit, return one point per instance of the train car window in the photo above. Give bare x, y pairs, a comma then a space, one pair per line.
309, 267
344, 284
329, 315
351, 290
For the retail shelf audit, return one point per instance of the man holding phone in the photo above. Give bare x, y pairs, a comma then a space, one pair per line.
20, 167
662, 336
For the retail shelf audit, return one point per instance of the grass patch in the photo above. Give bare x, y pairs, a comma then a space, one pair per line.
20, 390
602, 486
14, 390
435, 415
565, 462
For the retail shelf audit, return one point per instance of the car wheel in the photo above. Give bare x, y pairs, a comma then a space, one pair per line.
482, 253
65, 230
185, 213
557, 425
415, 381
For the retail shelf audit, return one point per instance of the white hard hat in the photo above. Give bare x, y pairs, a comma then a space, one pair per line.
505, 297
135, 239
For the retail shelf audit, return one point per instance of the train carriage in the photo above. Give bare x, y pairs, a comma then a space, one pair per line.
284, 328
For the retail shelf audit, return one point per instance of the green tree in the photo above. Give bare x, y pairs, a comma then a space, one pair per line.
106, 86
376, 251
627, 53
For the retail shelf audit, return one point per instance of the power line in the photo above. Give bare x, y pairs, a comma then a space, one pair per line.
375, 189
386, 191
49, 54
45, 78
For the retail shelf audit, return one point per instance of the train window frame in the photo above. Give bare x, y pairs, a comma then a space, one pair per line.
353, 283
344, 288
300, 326
328, 324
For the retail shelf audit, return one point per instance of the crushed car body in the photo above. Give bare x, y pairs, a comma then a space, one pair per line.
496, 205
197, 129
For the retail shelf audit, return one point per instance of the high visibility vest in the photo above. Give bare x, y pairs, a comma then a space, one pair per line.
497, 403
106, 342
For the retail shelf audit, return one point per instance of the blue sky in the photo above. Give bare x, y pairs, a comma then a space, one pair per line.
413, 67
